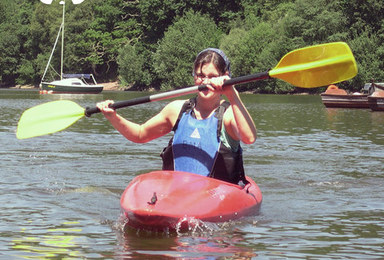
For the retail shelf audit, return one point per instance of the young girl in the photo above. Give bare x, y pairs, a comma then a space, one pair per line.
207, 129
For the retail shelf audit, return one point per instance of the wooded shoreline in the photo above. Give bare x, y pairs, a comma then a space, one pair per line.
118, 40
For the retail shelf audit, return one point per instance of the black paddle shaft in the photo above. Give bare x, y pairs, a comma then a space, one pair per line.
178, 92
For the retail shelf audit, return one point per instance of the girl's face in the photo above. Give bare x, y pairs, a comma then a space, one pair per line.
203, 76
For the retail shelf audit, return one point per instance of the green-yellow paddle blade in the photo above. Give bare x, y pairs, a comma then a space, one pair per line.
48, 118
317, 65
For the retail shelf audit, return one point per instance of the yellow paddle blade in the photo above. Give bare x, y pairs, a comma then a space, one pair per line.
317, 65
48, 118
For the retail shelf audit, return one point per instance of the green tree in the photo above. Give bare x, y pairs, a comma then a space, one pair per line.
254, 34
363, 16
94, 33
157, 15
256, 50
369, 53
9, 43
315, 22
9, 58
177, 50
365, 28
105, 35
132, 69
258, 42
43, 28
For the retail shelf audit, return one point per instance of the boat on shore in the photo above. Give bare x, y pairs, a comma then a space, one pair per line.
376, 100
335, 97
73, 84
178, 201
68, 83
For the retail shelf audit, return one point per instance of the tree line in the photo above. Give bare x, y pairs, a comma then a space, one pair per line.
152, 43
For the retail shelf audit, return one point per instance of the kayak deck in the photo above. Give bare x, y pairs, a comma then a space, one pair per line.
164, 199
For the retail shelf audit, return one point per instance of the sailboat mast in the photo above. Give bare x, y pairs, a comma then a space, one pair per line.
62, 41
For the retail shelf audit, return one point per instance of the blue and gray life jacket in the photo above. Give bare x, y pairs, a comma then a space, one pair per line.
196, 147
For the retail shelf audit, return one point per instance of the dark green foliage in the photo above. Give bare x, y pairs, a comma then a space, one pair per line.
152, 43
178, 48
132, 67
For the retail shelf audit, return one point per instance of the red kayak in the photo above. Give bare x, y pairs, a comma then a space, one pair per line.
168, 200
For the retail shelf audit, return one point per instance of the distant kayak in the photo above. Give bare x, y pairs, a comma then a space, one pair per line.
168, 200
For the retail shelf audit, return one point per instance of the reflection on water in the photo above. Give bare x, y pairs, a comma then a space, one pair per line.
56, 242
320, 171
212, 241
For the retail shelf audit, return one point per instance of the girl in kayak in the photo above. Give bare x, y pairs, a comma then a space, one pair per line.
207, 129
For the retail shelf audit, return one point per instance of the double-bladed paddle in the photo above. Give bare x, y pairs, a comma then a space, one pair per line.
309, 67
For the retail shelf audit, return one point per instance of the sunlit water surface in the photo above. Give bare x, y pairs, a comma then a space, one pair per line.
320, 171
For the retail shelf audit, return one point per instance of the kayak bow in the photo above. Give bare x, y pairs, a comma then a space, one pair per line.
169, 200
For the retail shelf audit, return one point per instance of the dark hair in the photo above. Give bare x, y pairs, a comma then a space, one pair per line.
215, 56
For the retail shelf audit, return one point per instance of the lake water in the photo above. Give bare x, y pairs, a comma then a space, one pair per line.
320, 171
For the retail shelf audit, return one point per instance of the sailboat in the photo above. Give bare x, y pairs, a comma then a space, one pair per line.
68, 83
